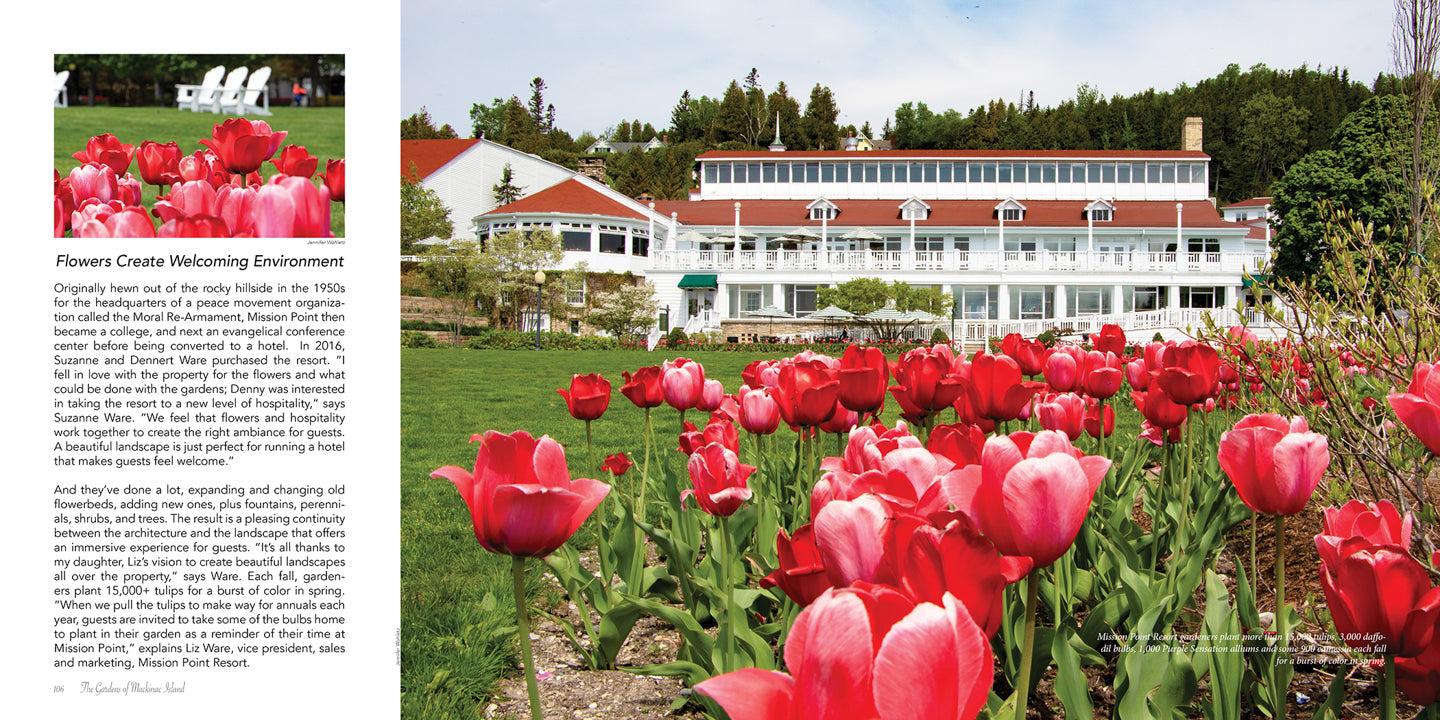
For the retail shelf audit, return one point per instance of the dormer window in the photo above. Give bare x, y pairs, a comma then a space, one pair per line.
823, 209
1100, 211
1010, 210
914, 209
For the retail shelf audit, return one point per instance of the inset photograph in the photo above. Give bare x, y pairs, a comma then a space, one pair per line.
200, 146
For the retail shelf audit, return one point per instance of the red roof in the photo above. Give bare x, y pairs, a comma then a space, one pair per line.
943, 213
1259, 202
873, 155
427, 156
571, 197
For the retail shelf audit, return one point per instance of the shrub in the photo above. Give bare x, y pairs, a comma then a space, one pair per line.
415, 339
938, 337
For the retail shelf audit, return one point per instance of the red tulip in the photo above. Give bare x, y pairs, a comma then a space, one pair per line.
1138, 375
159, 164
1379, 597
588, 397
999, 393
842, 420
643, 388
682, 381
1111, 338
801, 572
108, 151
712, 393
925, 381
334, 179
1030, 355
761, 373
1274, 463
1190, 373
1419, 677
960, 561
758, 412
194, 226
1064, 413
855, 653
192, 197
1102, 375
806, 392
959, 442
618, 464
1063, 368
718, 480
1157, 407
1029, 497
295, 161
1418, 407
718, 430
242, 146
521, 498
1099, 421
1378, 522
864, 375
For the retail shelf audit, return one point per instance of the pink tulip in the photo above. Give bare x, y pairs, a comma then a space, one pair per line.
1102, 375
1378, 522
194, 226
521, 498
711, 394
960, 561
718, 480
1064, 413
93, 180
1418, 407
855, 653
682, 381
1379, 597
292, 207
758, 412
1063, 367
1274, 463
1029, 495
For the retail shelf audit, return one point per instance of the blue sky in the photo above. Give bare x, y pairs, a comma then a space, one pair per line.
604, 62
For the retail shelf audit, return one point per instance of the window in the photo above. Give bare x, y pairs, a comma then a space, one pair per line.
823, 212
1048, 173
576, 240
1064, 172
1009, 214
1152, 173
902, 172
989, 171
945, 172
752, 171
1143, 298
925, 243
887, 172
712, 172
1005, 172
767, 172
1087, 300
1032, 303
1021, 245
917, 171
930, 172
1123, 172
750, 298
1060, 244
976, 171
1100, 214
1184, 172
872, 172
1167, 172
1204, 245
915, 212
641, 245
612, 243
827, 172
1201, 297
812, 172
800, 299
977, 302
1092, 172
575, 292
782, 172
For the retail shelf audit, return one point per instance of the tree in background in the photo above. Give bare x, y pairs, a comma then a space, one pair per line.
506, 267
1417, 48
488, 121
729, 122
420, 127
450, 272
1272, 137
820, 116
540, 112
506, 191
422, 215
627, 312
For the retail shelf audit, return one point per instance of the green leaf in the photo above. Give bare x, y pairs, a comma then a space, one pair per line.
1071, 685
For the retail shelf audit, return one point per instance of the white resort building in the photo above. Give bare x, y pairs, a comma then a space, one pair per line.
1025, 241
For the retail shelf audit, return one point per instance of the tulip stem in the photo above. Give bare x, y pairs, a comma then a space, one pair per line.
1254, 567
522, 621
1387, 694
644, 471
727, 558
1280, 626
590, 449
1027, 648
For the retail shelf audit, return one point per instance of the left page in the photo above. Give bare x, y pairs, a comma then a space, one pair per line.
204, 521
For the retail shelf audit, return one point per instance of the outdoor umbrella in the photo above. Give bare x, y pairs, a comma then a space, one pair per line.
772, 312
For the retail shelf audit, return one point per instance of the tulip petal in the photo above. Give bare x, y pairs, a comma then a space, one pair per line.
1300, 461
751, 693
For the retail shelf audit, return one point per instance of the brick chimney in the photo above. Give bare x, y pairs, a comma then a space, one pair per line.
1192, 135
593, 167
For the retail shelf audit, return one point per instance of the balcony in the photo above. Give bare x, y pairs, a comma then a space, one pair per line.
957, 261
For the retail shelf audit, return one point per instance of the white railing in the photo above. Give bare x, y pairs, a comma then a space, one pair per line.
956, 260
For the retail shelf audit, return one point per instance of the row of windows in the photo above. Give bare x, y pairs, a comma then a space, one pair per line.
981, 302
954, 172
938, 243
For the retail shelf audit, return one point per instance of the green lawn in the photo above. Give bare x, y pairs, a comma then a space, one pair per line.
320, 130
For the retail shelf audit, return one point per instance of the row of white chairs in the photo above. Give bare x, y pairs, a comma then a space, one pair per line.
62, 93
235, 96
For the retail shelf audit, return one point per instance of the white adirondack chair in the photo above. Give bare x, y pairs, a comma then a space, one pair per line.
255, 100
62, 93
230, 93
194, 97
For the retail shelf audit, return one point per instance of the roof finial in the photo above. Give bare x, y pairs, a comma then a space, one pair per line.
777, 146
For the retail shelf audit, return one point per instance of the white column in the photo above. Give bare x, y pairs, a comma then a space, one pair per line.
1173, 297
722, 300
1179, 225
1117, 299
737, 236
1060, 302
1000, 259
1003, 301
824, 241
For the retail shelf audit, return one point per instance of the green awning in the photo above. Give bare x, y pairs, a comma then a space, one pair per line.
699, 282
1261, 282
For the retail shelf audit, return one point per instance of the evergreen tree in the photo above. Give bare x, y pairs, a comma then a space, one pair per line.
791, 132
507, 191
537, 108
488, 121
520, 130
820, 116
420, 127
729, 123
